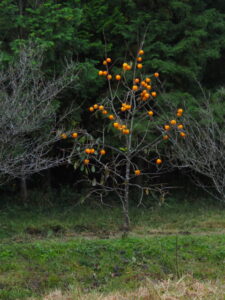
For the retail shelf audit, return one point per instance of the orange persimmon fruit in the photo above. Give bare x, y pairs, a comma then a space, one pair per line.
86, 161
63, 136
102, 152
158, 161
137, 172
74, 135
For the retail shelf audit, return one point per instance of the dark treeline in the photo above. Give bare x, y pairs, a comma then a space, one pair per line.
184, 42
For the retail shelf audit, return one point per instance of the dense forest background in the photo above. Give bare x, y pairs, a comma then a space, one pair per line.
184, 42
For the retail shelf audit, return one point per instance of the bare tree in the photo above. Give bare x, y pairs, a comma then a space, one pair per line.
203, 149
29, 125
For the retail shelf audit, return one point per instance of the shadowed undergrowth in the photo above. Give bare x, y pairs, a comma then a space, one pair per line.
103, 222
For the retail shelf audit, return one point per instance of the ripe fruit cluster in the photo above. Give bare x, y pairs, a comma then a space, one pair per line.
99, 107
122, 128
174, 125
179, 112
126, 67
144, 87
102, 73
139, 59
89, 150
123, 108
64, 136
139, 85
92, 151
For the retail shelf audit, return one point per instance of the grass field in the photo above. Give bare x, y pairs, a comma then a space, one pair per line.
79, 253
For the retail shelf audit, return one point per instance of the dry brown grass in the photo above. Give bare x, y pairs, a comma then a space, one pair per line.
186, 288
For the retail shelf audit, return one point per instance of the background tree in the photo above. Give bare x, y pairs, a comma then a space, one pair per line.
29, 124
203, 150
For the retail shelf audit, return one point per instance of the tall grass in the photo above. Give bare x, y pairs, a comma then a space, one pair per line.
186, 288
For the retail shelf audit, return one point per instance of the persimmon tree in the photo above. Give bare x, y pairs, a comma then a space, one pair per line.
127, 143
29, 122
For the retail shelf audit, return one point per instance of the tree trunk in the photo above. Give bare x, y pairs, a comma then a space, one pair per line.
126, 198
23, 190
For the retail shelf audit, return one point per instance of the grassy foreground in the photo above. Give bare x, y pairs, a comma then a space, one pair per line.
80, 253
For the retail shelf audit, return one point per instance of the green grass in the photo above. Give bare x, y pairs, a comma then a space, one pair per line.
81, 247
106, 265
102, 221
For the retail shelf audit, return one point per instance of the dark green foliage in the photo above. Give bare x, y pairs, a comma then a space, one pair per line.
184, 41
181, 37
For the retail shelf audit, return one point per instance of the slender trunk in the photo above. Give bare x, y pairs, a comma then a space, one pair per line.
126, 198
23, 190
127, 176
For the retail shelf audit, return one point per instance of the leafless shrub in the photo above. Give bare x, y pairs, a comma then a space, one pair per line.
28, 120
203, 149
